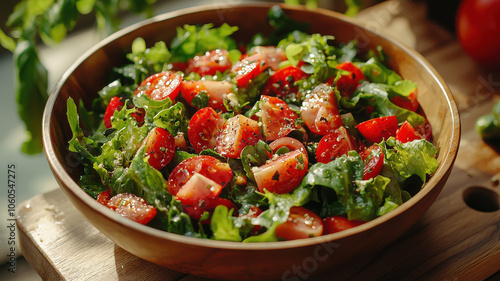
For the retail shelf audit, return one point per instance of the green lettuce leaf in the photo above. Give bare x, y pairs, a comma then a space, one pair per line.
222, 225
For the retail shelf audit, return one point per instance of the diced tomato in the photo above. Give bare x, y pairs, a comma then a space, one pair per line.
281, 83
373, 158
271, 56
104, 197
160, 147
132, 207
333, 145
207, 166
282, 174
210, 63
338, 223
301, 224
203, 129
197, 188
409, 102
348, 83
378, 129
160, 86
114, 104
247, 69
217, 92
237, 133
290, 143
278, 120
407, 133
196, 211
320, 112
425, 130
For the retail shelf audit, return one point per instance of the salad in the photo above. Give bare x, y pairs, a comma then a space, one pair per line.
290, 136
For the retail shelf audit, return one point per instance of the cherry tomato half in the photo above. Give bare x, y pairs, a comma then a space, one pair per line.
407, 133
217, 92
210, 63
278, 120
160, 147
320, 111
281, 83
114, 104
160, 86
338, 223
301, 224
238, 132
373, 158
132, 207
203, 129
348, 83
378, 129
333, 145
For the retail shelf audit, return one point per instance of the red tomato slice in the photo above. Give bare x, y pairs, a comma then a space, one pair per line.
217, 92
333, 145
290, 143
114, 104
196, 211
247, 69
207, 166
132, 207
320, 112
278, 120
282, 174
347, 84
138, 115
203, 129
104, 197
210, 63
178, 66
338, 223
238, 132
373, 158
407, 133
301, 224
270, 55
160, 147
281, 83
378, 129
160, 86
409, 103
197, 188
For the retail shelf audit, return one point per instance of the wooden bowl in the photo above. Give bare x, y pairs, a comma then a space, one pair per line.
230, 260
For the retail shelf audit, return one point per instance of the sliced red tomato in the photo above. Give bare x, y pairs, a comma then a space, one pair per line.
378, 129
160, 147
290, 143
407, 133
281, 83
160, 86
203, 129
271, 56
348, 83
210, 62
333, 145
104, 197
338, 223
180, 141
178, 66
207, 166
196, 211
138, 115
282, 174
373, 158
132, 207
278, 120
247, 69
237, 133
320, 111
409, 102
197, 188
301, 224
217, 92
114, 104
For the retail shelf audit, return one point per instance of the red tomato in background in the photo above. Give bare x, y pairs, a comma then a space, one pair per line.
333, 145
203, 129
338, 223
478, 29
132, 207
210, 63
238, 132
301, 224
114, 104
207, 166
378, 129
278, 120
320, 111
160, 147
280, 84
160, 86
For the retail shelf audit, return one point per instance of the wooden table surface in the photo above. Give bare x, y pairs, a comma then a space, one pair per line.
452, 241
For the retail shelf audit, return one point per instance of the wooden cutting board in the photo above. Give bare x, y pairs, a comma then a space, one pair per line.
452, 241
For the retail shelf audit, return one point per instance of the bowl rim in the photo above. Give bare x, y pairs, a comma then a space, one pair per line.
69, 185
